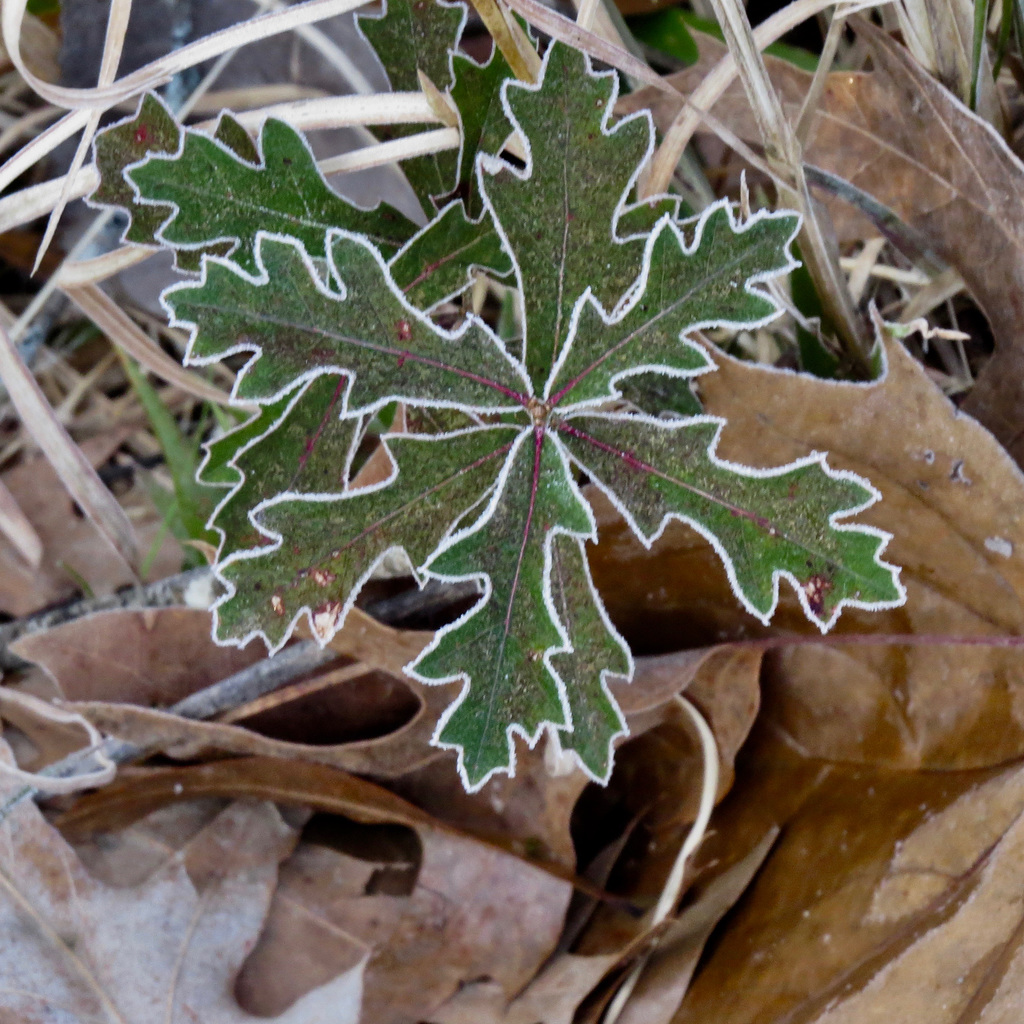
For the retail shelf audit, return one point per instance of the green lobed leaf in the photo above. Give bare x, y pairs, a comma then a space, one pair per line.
212, 194
231, 133
152, 130
298, 445
558, 217
463, 236
477, 96
438, 262
332, 542
611, 293
763, 523
681, 289
212, 197
297, 328
597, 653
411, 36
501, 646
659, 395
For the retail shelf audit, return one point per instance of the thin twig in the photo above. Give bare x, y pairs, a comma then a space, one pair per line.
166, 593
257, 680
252, 682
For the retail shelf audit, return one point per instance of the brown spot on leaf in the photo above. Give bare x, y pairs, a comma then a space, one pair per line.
323, 577
403, 329
325, 619
277, 604
142, 135
816, 589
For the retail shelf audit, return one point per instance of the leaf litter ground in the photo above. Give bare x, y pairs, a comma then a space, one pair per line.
898, 708
609, 290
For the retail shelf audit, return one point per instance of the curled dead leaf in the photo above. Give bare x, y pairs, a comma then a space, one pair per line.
951, 498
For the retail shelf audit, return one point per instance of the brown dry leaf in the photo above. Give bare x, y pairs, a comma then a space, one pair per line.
951, 497
76, 950
471, 910
72, 550
536, 806
150, 658
531, 811
666, 976
551, 998
899, 135
889, 896
556, 993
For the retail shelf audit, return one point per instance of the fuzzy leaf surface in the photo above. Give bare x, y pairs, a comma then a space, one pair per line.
763, 523
686, 288
503, 643
559, 217
152, 130
597, 653
464, 236
414, 36
298, 445
477, 95
438, 262
333, 541
213, 195
296, 327
485, 481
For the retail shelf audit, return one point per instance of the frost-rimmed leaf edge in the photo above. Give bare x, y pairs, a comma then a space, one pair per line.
231, 488
470, 268
619, 310
283, 497
262, 278
175, 208
636, 291
513, 729
753, 472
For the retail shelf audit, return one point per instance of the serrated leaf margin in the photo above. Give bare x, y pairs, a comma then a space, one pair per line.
513, 729
235, 486
469, 269
174, 208
607, 675
814, 458
637, 290
488, 165
263, 278
322, 637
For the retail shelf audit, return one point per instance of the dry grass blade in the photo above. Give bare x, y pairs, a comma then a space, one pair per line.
74, 469
128, 336
158, 72
113, 44
327, 48
677, 136
17, 528
567, 31
510, 39
783, 151
99, 776
76, 273
441, 106
435, 141
26, 125
674, 883
341, 111
42, 146
305, 114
